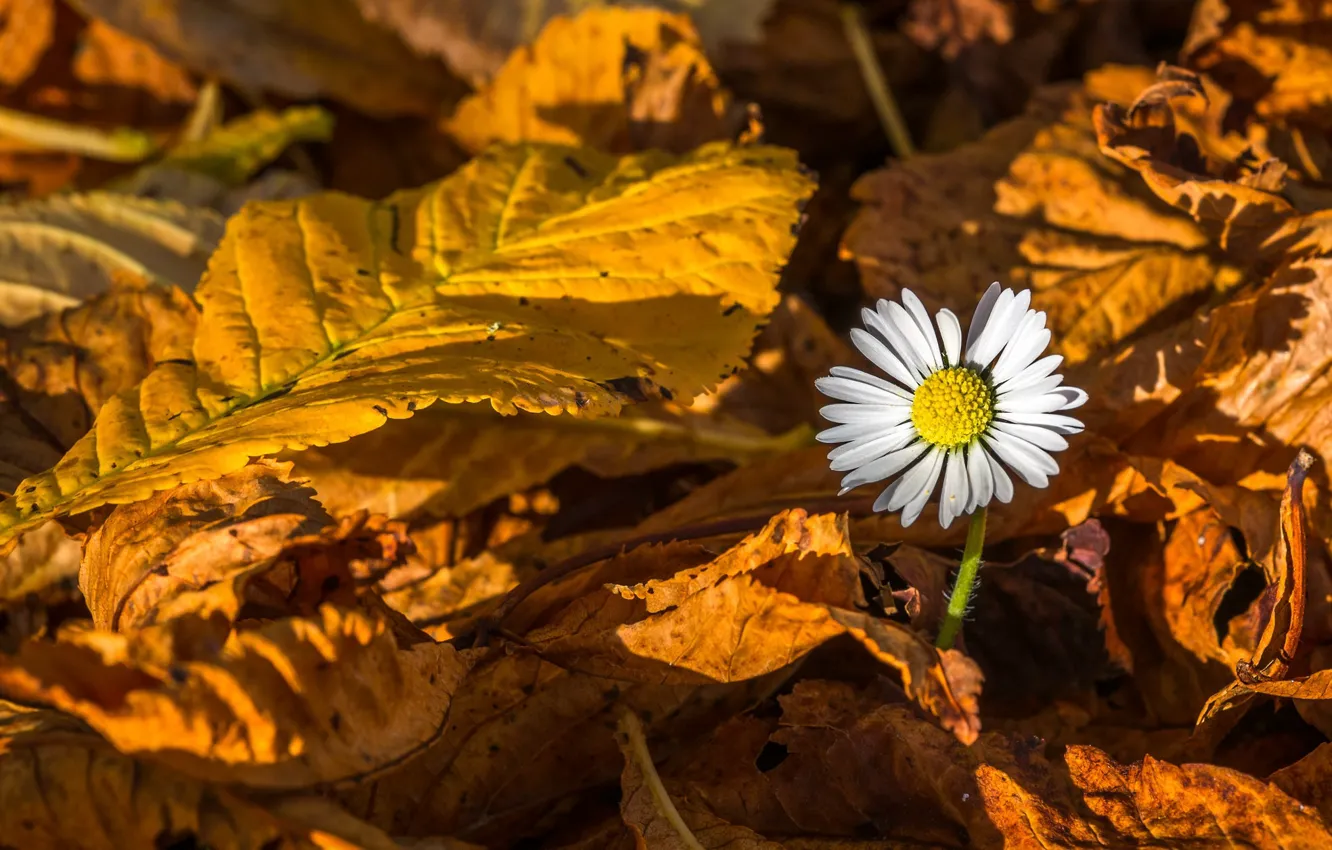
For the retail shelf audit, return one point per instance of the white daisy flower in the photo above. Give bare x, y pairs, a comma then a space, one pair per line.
962, 416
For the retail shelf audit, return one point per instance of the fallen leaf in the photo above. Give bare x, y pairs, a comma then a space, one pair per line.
43, 558
1151, 802
293, 703
1034, 203
109, 57
952, 26
26, 31
133, 563
65, 365
57, 252
289, 51
398, 333
614, 79
109, 800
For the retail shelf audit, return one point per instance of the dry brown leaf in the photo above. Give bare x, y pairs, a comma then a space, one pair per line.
671, 614
1275, 55
26, 30
190, 550
1035, 203
65, 788
293, 703
66, 365
1151, 803
289, 50
524, 738
654, 817
109, 57
952, 25
611, 78
44, 558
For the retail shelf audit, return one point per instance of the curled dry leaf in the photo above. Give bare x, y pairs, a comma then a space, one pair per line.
1274, 56
64, 366
1151, 802
668, 614
26, 31
108, 800
1034, 203
289, 50
539, 277
293, 703
146, 556
615, 79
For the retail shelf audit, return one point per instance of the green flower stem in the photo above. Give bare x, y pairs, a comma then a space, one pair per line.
966, 580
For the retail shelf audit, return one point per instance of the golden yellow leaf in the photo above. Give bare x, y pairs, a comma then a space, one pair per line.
66, 789
292, 703
610, 78
539, 277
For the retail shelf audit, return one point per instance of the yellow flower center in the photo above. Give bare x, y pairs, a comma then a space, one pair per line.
952, 407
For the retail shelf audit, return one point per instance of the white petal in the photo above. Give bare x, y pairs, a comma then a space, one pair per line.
1003, 485
950, 329
1041, 437
855, 453
1031, 464
872, 380
899, 317
982, 480
1075, 397
1007, 317
956, 495
1025, 347
846, 389
1041, 387
1054, 421
886, 415
846, 433
911, 510
1027, 377
922, 317
881, 356
1047, 403
982, 340
981, 317
897, 343
884, 467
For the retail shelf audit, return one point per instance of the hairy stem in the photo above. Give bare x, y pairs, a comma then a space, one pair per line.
965, 582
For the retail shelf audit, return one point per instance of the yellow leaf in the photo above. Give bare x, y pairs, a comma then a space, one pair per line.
237, 150
539, 277
290, 704
611, 78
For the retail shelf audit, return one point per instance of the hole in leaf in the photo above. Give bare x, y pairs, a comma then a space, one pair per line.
1246, 588
770, 756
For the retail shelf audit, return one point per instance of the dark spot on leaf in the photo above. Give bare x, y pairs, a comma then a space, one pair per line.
178, 674
605, 274
522, 302
665, 393
494, 748
335, 721
363, 271
631, 387
778, 533
381, 410
177, 361
731, 310
174, 416
411, 405
576, 167
432, 678
580, 399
